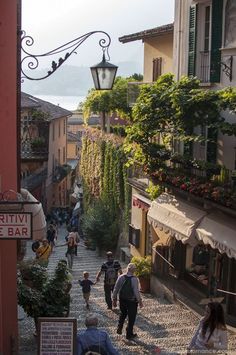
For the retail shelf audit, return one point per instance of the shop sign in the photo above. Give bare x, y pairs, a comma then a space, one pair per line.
57, 336
15, 225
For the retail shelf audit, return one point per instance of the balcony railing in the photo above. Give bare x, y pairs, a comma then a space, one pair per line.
29, 151
34, 180
204, 74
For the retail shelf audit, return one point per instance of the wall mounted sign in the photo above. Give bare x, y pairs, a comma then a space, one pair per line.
15, 225
57, 336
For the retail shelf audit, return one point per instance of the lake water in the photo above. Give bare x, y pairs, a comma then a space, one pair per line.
68, 102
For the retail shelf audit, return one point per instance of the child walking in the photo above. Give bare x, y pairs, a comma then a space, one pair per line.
86, 287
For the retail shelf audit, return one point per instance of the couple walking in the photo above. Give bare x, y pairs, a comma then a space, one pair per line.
127, 287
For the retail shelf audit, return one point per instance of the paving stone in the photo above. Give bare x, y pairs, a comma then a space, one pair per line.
160, 325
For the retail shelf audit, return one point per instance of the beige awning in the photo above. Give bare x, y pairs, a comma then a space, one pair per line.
219, 231
39, 225
177, 217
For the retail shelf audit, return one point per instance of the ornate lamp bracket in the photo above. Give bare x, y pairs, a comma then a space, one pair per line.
228, 68
32, 61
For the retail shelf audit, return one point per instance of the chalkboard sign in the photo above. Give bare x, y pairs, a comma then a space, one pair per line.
57, 336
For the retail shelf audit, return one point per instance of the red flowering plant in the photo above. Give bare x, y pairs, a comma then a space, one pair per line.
199, 186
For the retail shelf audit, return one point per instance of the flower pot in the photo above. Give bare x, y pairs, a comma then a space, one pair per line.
144, 284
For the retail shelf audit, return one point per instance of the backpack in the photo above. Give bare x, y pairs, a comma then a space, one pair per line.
94, 350
110, 274
126, 290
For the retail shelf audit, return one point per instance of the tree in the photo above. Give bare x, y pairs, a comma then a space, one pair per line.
100, 225
107, 102
168, 111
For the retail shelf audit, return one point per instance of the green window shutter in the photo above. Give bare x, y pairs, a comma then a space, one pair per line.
192, 40
216, 40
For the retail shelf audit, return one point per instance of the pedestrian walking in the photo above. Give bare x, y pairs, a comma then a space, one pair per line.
70, 253
111, 268
43, 253
86, 284
94, 340
51, 236
75, 235
127, 286
211, 334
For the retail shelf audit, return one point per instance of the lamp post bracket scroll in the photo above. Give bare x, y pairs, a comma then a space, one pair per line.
103, 73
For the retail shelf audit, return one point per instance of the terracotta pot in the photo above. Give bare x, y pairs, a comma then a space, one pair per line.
144, 284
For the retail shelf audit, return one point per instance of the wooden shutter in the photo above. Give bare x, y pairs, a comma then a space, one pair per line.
192, 40
157, 68
216, 40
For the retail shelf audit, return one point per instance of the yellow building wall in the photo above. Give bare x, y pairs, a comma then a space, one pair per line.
72, 150
156, 47
139, 221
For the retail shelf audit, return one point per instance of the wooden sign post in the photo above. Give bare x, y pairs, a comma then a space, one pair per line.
57, 336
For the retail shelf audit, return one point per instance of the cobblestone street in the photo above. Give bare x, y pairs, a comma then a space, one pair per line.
159, 325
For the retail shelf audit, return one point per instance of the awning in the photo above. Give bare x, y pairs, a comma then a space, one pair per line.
39, 225
177, 217
141, 202
219, 231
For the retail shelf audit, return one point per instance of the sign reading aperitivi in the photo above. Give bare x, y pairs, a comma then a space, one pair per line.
15, 225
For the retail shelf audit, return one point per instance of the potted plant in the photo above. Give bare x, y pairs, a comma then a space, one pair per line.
143, 271
37, 144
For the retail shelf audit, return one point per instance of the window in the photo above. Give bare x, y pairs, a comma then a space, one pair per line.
59, 129
230, 24
53, 132
157, 68
207, 29
134, 236
205, 40
64, 155
211, 154
59, 156
205, 44
64, 126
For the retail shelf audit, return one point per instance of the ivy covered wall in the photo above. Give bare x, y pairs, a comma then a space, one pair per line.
104, 174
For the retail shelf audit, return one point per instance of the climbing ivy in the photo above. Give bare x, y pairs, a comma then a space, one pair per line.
104, 173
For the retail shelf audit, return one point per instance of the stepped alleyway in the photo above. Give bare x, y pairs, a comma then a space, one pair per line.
162, 327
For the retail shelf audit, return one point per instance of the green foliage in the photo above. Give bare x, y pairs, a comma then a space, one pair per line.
154, 191
114, 100
137, 77
42, 296
104, 174
100, 225
168, 111
143, 266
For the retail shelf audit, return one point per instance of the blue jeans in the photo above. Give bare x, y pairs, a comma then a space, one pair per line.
70, 258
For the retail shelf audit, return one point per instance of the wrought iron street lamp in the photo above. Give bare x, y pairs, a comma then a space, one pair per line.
103, 73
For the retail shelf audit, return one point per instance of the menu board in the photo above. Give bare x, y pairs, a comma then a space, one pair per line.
57, 336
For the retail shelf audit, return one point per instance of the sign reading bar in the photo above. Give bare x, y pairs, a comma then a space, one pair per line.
57, 336
15, 225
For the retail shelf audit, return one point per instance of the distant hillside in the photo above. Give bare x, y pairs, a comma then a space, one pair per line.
71, 80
